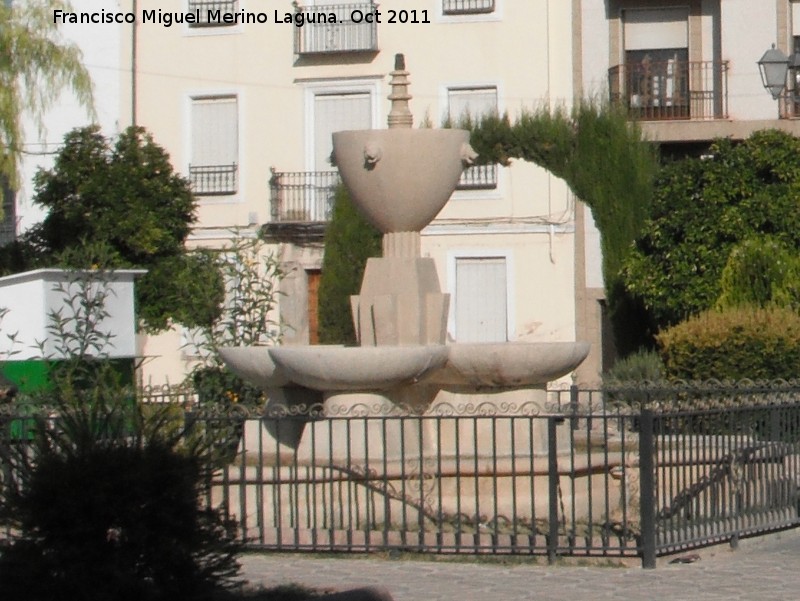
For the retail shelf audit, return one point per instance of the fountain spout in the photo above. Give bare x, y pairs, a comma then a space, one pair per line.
400, 116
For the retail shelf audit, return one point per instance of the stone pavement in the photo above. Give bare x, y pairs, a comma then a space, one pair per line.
766, 568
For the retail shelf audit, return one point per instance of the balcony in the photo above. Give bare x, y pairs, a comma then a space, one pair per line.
478, 177
214, 180
301, 204
302, 195
225, 7
467, 7
344, 36
671, 90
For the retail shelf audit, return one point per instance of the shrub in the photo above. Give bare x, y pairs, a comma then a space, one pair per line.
732, 344
702, 209
638, 367
761, 272
109, 508
349, 242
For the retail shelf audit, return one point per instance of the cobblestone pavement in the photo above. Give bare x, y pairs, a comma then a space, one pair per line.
766, 568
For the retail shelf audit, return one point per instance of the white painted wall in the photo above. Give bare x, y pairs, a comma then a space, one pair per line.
748, 30
33, 297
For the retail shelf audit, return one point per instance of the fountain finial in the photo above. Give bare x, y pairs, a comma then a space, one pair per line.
400, 116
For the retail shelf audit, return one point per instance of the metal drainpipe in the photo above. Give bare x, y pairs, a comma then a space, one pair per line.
134, 49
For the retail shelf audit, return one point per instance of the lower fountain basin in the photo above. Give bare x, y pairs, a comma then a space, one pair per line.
508, 364
359, 368
253, 364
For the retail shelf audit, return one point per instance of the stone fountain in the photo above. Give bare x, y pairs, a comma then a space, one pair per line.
400, 178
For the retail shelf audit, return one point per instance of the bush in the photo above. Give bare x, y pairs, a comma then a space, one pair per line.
349, 242
732, 344
110, 509
702, 209
638, 367
761, 272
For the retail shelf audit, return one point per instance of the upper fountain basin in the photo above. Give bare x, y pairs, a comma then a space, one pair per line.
400, 178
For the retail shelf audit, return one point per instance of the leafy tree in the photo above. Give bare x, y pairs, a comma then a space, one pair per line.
601, 155
36, 66
349, 242
702, 209
596, 150
123, 197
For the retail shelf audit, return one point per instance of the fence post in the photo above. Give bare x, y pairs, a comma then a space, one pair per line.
573, 406
647, 489
552, 470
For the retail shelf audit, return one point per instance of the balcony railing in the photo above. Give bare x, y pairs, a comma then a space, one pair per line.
467, 7
478, 177
345, 35
225, 7
302, 196
214, 180
660, 90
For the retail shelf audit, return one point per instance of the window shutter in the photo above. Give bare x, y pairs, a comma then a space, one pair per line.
215, 131
481, 300
651, 29
337, 112
475, 101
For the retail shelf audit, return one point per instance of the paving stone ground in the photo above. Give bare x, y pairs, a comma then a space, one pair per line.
766, 568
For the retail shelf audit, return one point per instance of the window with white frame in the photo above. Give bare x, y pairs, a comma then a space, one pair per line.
338, 111
656, 70
330, 110
481, 299
214, 163
473, 103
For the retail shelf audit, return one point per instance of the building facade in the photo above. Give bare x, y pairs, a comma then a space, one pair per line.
246, 111
687, 71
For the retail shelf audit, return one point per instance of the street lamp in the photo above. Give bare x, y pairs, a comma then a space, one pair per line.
774, 66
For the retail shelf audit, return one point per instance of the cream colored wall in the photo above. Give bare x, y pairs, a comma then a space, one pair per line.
526, 52
540, 275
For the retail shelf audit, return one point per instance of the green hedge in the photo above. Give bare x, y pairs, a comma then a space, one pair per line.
732, 344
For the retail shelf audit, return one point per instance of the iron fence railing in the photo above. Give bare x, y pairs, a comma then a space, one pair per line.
212, 12
302, 196
467, 7
478, 177
663, 90
214, 180
349, 32
629, 471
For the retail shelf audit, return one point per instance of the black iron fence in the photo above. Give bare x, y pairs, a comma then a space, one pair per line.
637, 472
